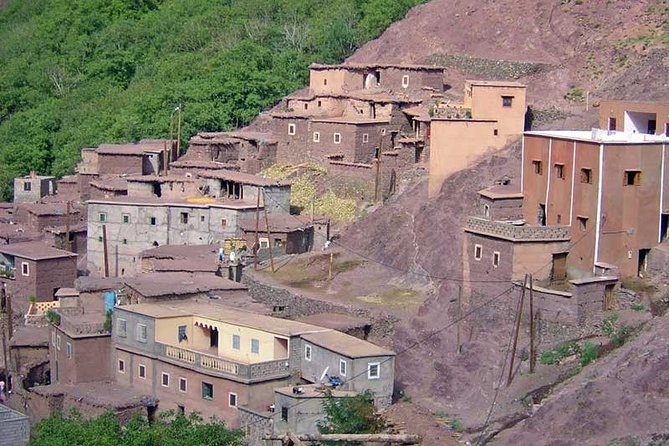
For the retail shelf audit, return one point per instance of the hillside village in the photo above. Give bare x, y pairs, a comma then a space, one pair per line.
163, 278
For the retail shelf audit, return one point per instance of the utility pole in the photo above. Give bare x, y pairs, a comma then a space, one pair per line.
378, 171
269, 236
533, 353
10, 313
330, 267
257, 245
68, 243
5, 353
105, 253
516, 331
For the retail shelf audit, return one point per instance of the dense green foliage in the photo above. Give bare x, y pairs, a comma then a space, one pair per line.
76, 73
168, 430
351, 415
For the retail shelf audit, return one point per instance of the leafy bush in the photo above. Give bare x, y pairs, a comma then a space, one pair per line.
108, 321
637, 307
589, 353
350, 415
53, 317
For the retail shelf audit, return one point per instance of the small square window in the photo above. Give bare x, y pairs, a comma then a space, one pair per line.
141, 333
306, 106
201, 218
232, 399
337, 138
632, 177
284, 413
612, 124
27, 186
125, 241
317, 137
152, 221
102, 217
538, 167
405, 81
100, 238
236, 342
291, 129
374, 370
207, 391
478, 252
559, 170
486, 210
224, 222
582, 223
586, 176
307, 352
507, 101
25, 269
495, 132
343, 366
495, 259
319, 103
121, 366
121, 327
325, 81
126, 218
68, 350
165, 379
255, 346
141, 371
383, 131
183, 384
183, 217
365, 138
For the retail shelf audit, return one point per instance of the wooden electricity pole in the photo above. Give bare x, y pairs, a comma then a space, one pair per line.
533, 353
10, 314
269, 235
257, 245
105, 251
516, 330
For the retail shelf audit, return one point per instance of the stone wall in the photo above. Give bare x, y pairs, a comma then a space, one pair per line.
255, 425
290, 305
117, 164
14, 427
515, 232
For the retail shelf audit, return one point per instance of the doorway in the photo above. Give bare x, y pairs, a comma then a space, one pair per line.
541, 215
664, 227
559, 270
643, 261
213, 338
609, 299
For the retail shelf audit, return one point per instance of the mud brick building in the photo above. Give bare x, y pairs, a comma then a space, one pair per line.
37, 217
36, 269
490, 117
288, 234
634, 117
215, 360
32, 188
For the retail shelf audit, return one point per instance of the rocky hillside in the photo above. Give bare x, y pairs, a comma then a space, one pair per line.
615, 49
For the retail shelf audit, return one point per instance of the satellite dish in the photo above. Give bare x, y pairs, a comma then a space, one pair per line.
325, 372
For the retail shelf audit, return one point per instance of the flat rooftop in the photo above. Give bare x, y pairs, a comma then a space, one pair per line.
502, 191
191, 202
493, 83
44, 209
180, 283
346, 345
140, 148
34, 251
242, 178
601, 136
368, 66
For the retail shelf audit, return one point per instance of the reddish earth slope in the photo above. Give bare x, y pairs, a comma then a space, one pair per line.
611, 48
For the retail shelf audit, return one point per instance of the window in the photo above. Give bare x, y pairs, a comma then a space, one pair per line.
486, 210
183, 384
25, 269
232, 399
365, 138
126, 218
121, 366
121, 327
374, 370
183, 217
632, 177
152, 221
507, 101
319, 103
264, 243
538, 168
236, 342
181, 409
317, 137
612, 124
559, 170
284, 413
337, 138
278, 243
586, 176
342, 367
325, 81
102, 217
383, 131
559, 219
201, 218
306, 106
405, 81
182, 333
68, 350
125, 241
141, 333
255, 346
582, 223
165, 379
99, 238
207, 391
224, 222
291, 129
495, 259
478, 252
141, 371
57, 342
307, 352
27, 186
495, 132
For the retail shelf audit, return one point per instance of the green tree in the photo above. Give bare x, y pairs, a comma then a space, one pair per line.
350, 415
169, 430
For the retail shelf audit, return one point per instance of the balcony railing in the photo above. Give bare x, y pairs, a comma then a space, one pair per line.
517, 232
224, 367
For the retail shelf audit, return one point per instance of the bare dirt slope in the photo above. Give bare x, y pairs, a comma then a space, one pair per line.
623, 396
611, 48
